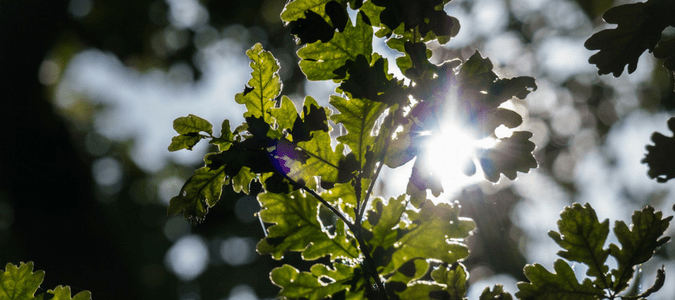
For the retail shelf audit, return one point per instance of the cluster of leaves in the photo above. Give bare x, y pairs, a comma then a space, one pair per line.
21, 283
639, 28
582, 237
318, 199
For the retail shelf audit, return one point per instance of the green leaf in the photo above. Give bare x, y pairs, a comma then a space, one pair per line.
226, 137
358, 116
454, 278
322, 160
63, 293
297, 228
189, 128
192, 124
638, 243
295, 10
497, 293
424, 290
639, 27
582, 236
319, 60
435, 232
285, 114
20, 283
562, 285
382, 219
312, 285
201, 191
264, 85
510, 155
659, 157
184, 141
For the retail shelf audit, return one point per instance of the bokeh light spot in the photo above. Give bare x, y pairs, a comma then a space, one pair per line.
188, 257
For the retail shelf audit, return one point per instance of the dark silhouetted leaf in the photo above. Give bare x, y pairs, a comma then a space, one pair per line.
582, 236
666, 50
510, 155
338, 15
372, 82
311, 28
425, 15
660, 157
639, 27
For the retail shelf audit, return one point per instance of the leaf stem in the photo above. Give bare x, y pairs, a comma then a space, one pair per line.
323, 201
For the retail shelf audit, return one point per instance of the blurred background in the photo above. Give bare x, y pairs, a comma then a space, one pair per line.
90, 89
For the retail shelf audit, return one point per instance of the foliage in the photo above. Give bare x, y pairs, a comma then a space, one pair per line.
21, 283
318, 195
639, 28
582, 237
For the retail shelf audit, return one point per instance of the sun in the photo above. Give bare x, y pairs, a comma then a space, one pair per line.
449, 154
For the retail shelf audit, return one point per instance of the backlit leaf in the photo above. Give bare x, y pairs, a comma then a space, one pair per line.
192, 124
226, 137
184, 141
189, 128
638, 242
311, 285
496, 293
358, 116
561, 285
435, 232
319, 60
582, 236
201, 191
285, 114
264, 85
63, 293
295, 216
20, 283
454, 278
296, 9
